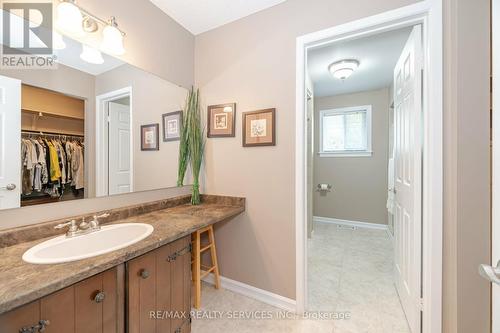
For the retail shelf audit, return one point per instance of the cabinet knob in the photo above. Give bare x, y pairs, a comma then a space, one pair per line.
99, 297
144, 273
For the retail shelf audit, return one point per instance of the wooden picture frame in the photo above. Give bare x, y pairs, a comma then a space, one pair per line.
259, 128
226, 126
150, 142
169, 121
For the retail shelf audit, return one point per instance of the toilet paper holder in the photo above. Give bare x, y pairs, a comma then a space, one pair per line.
324, 188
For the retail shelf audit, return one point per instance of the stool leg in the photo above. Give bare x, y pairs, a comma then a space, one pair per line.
213, 254
197, 271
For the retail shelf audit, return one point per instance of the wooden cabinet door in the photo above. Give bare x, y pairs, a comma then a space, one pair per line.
96, 304
141, 277
74, 309
59, 309
160, 301
180, 270
25, 316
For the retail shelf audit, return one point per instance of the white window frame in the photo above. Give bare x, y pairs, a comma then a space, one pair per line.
342, 111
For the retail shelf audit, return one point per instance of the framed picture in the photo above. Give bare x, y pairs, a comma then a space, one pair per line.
259, 128
150, 137
172, 126
221, 120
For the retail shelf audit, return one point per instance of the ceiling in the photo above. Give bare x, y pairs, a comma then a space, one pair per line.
376, 54
200, 16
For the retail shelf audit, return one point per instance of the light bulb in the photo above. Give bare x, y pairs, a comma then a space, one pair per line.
69, 18
112, 41
91, 55
58, 41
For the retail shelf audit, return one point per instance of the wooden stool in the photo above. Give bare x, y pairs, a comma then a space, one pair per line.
199, 271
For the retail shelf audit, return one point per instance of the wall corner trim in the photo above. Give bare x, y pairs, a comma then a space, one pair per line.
261, 295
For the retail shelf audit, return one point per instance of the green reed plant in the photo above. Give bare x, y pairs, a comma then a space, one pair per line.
192, 144
196, 142
184, 146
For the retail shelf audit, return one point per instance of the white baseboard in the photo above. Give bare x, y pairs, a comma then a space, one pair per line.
350, 223
261, 295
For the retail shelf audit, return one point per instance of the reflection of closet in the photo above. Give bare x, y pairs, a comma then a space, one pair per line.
49, 116
48, 111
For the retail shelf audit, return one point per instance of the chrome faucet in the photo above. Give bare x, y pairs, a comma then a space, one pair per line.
83, 228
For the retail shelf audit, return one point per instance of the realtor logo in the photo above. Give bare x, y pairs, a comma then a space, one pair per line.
27, 35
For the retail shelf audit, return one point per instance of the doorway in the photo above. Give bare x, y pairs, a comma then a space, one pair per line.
114, 162
420, 270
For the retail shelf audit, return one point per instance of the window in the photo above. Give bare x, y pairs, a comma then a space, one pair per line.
346, 132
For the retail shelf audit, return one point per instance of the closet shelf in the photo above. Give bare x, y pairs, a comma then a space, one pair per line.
53, 115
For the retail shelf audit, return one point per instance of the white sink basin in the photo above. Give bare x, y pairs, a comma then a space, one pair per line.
109, 238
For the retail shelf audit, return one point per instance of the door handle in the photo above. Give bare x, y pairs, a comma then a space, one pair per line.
490, 273
9, 187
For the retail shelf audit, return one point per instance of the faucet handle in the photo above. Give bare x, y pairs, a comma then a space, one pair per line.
72, 225
101, 216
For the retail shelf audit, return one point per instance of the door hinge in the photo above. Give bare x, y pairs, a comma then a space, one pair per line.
109, 119
421, 304
183, 251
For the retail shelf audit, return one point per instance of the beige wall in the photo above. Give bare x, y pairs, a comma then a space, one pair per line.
359, 183
154, 43
467, 165
254, 65
151, 97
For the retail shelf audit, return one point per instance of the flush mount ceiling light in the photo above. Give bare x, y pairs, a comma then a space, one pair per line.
91, 55
77, 21
344, 68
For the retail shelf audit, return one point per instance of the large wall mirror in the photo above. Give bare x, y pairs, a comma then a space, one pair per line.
92, 127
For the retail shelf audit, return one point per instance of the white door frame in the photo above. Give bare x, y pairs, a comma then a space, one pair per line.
495, 225
429, 14
101, 141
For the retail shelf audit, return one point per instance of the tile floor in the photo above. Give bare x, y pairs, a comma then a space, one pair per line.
350, 271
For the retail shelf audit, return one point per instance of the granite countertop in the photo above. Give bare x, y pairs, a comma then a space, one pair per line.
21, 283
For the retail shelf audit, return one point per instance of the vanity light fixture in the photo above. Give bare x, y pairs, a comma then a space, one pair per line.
112, 39
58, 41
228, 109
91, 55
344, 68
69, 18
77, 21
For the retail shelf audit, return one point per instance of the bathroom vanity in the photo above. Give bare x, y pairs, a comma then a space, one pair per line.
145, 287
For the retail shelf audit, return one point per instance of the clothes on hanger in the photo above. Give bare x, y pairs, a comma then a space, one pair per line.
48, 164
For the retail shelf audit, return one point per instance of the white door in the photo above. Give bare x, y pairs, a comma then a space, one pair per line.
10, 143
408, 178
119, 149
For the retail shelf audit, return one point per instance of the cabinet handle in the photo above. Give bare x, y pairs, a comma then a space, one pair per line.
40, 327
99, 297
144, 273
